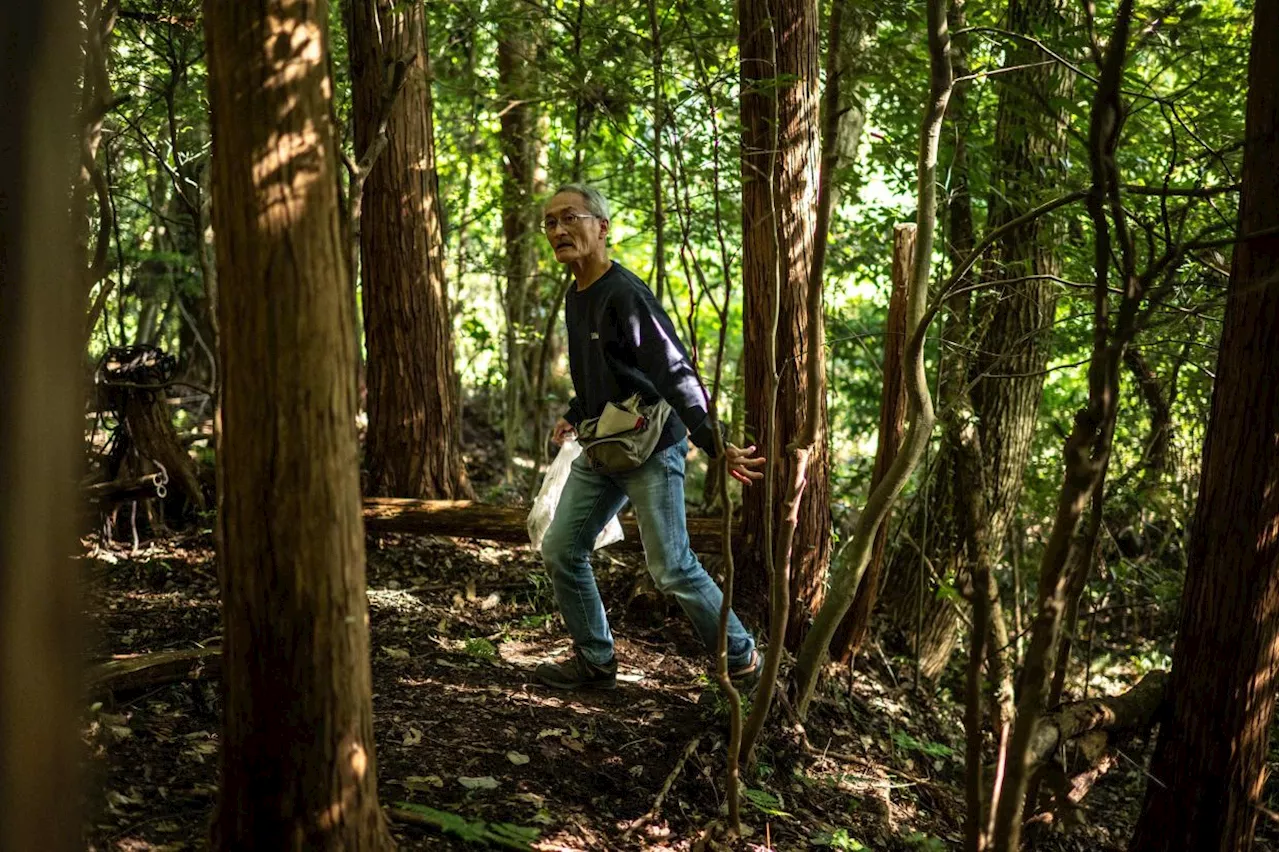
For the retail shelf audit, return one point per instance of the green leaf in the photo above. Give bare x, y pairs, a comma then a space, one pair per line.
501, 834
765, 803
905, 741
480, 648
838, 839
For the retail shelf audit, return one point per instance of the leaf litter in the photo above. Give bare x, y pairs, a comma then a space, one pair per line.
468, 745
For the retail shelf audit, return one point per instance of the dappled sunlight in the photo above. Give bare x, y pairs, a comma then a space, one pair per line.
359, 759
298, 50
292, 157
283, 155
395, 600
353, 763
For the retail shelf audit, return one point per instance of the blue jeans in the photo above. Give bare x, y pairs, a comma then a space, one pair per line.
656, 490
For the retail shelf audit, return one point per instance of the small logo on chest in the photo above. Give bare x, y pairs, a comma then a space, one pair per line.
595, 335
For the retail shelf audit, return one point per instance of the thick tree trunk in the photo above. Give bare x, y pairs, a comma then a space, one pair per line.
41, 401
517, 57
1012, 324
413, 446
1211, 757
778, 42
297, 764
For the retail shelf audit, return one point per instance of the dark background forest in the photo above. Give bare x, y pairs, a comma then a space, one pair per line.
992, 285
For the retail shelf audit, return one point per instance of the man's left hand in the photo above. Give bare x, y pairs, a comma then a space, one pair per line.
742, 463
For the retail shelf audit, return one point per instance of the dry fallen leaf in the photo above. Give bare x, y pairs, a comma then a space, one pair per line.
486, 782
423, 782
517, 758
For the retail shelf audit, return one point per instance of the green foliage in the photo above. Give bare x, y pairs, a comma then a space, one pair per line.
593, 84
765, 802
906, 742
924, 843
480, 648
501, 834
535, 622
838, 839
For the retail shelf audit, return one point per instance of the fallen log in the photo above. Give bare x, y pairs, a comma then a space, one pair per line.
1094, 725
1130, 711
120, 490
470, 519
141, 671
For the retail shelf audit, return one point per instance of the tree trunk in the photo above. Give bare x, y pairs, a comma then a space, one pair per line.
1012, 321
413, 445
40, 444
1211, 756
517, 57
1155, 456
659, 207
147, 416
893, 420
779, 48
297, 762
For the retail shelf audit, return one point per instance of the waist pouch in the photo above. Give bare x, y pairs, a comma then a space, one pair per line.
623, 437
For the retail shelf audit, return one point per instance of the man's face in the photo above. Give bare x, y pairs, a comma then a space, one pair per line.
582, 238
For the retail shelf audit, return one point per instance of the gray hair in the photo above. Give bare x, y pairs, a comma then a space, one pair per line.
596, 203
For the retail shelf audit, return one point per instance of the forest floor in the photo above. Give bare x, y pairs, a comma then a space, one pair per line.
462, 732
457, 628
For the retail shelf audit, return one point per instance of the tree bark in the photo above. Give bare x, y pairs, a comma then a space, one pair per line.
778, 42
145, 671
893, 420
468, 519
1087, 448
1155, 457
659, 122
517, 58
96, 101
1133, 710
156, 441
41, 401
1011, 324
1211, 756
297, 768
814, 654
413, 445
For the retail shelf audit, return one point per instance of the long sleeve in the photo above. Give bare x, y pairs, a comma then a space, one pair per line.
574, 415
644, 328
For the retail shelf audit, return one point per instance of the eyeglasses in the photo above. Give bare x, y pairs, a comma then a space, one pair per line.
568, 220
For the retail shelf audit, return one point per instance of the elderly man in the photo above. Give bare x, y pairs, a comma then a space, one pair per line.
621, 343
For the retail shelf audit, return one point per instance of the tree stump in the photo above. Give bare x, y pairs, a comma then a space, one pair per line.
133, 381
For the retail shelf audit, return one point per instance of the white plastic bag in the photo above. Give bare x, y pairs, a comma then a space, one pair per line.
544, 505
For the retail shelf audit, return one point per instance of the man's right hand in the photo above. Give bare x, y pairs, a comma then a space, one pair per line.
563, 431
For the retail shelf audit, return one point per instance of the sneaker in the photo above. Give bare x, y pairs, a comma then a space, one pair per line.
577, 673
745, 679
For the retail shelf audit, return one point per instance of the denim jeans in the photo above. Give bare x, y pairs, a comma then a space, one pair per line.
656, 490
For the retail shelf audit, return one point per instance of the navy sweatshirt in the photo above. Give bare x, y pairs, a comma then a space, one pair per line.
622, 342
